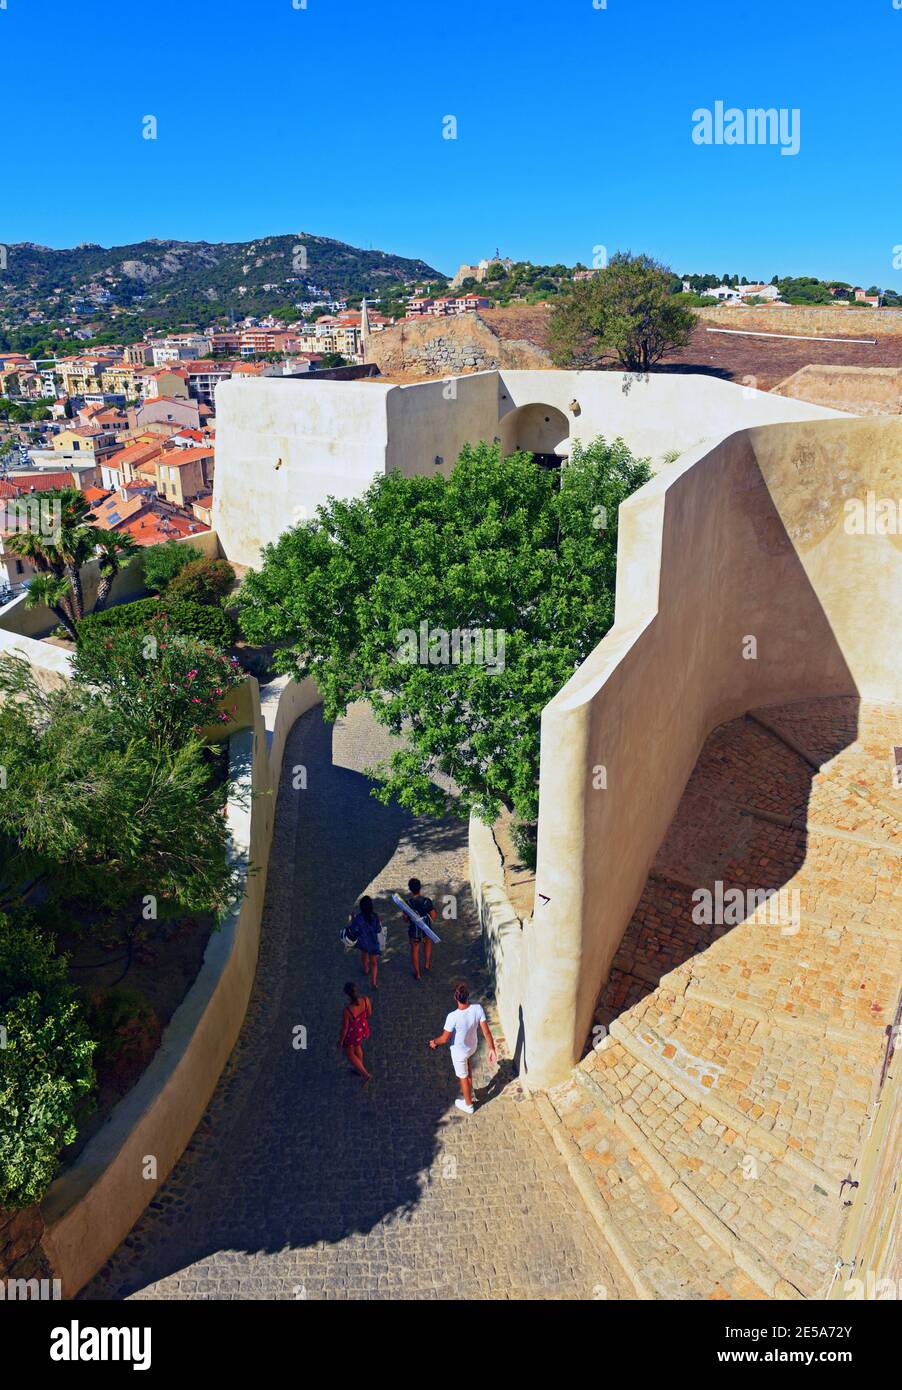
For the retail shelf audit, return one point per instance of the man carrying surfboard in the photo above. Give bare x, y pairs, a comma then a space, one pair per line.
425, 908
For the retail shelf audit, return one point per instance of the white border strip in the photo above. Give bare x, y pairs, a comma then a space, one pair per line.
795, 337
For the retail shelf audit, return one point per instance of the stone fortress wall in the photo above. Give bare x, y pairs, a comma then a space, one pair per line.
821, 321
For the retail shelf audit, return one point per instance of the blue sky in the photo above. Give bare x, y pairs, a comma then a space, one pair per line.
574, 128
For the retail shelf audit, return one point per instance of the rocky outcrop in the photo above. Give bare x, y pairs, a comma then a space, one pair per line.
449, 346
21, 1255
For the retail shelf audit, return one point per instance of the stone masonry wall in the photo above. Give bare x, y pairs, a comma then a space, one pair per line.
448, 346
826, 322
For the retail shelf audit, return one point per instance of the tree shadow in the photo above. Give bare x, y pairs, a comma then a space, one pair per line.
293, 1150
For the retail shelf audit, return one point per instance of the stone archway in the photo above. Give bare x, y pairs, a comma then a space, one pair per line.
540, 429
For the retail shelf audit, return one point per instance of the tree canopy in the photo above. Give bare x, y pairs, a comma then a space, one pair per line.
627, 314
367, 597
114, 793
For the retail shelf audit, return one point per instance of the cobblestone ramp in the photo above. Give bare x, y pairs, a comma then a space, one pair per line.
301, 1184
730, 1090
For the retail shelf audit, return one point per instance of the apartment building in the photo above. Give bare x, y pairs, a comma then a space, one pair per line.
181, 474
163, 381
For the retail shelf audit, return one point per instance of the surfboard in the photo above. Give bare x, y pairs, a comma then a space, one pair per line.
417, 920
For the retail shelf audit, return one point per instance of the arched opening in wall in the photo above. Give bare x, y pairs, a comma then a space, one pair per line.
541, 430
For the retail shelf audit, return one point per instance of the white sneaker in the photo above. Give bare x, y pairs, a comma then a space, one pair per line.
462, 1105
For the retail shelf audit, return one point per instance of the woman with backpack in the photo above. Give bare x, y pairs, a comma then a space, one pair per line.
365, 931
355, 1029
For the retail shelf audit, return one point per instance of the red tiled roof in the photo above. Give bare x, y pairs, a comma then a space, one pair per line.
23, 484
134, 454
152, 527
197, 451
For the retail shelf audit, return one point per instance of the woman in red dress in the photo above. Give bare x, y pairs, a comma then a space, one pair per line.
355, 1029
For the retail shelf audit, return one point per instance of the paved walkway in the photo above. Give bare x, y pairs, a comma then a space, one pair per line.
300, 1182
728, 1109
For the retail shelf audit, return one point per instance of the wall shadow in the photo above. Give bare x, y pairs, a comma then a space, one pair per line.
294, 1151
741, 823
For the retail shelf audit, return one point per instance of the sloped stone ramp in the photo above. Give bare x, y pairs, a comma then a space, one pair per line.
717, 1123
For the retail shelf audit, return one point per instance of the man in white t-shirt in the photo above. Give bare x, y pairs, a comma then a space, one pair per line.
462, 1031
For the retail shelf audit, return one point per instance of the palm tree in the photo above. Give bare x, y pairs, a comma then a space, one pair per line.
62, 555
115, 550
55, 592
30, 546
74, 542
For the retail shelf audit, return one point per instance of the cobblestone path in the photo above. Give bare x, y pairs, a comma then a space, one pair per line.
300, 1182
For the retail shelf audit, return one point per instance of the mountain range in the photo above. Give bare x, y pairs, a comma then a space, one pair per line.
194, 280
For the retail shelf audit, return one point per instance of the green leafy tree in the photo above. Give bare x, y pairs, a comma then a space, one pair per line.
104, 807
627, 314
45, 1063
524, 556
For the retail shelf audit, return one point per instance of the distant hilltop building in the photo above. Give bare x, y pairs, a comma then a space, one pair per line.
420, 307
735, 294
477, 272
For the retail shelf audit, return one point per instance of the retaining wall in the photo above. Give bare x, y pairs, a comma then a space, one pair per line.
746, 540
92, 1206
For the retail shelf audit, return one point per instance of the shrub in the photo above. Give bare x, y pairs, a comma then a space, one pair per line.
203, 581
45, 1063
161, 563
159, 679
198, 620
127, 1032
124, 617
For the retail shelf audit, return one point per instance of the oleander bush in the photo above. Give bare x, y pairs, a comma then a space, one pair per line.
158, 679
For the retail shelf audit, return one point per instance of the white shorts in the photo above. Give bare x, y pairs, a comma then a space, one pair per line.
460, 1060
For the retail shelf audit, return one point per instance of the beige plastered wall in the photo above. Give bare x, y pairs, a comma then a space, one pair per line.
284, 446
745, 540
